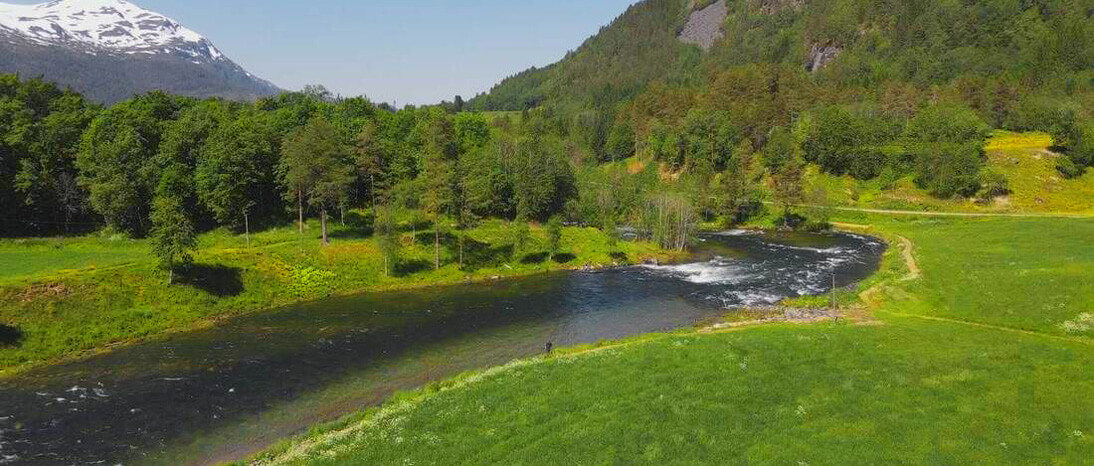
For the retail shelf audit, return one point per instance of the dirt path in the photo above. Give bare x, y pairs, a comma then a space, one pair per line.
950, 214
993, 327
907, 249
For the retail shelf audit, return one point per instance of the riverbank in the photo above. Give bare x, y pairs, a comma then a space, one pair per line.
64, 299
977, 359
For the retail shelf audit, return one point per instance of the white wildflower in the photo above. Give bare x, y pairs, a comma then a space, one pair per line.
1082, 324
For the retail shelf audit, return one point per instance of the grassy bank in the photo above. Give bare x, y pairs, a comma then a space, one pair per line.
64, 297
909, 392
974, 362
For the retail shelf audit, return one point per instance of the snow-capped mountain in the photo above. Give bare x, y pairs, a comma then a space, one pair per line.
67, 41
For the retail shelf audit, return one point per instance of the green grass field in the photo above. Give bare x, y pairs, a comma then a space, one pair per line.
65, 297
1028, 274
34, 258
972, 363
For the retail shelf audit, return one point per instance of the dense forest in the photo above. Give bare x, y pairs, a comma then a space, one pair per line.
167, 167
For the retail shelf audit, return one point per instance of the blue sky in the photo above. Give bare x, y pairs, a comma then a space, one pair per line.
418, 51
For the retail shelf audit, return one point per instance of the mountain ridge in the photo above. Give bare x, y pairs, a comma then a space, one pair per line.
110, 50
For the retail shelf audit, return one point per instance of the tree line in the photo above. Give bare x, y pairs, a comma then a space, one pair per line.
671, 157
67, 163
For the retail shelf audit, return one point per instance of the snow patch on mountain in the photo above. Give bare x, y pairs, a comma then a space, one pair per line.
111, 26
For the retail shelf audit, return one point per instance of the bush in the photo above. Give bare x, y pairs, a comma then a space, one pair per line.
948, 147
946, 123
949, 169
307, 282
889, 177
1068, 168
1076, 138
992, 184
868, 164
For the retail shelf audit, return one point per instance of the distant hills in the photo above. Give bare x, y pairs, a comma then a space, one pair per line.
110, 50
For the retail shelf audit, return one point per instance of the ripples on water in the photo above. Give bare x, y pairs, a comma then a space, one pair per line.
774, 267
139, 401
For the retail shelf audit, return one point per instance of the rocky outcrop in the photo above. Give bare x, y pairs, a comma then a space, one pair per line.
704, 26
820, 55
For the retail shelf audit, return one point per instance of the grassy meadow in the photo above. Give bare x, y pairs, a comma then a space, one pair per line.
27, 259
984, 359
63, 297
1025, 274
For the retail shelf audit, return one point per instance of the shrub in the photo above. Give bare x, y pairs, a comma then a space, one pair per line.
992, 184
947, 123
949, 169
947, 144
1076, 138
868, 164
308, 282
1068, 168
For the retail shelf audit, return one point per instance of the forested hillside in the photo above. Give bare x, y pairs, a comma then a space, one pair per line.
619, 62
829, 82
1017, 45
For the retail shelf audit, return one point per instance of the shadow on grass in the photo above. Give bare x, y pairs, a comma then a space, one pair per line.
357, 226
478, 255
416, 225
536, 258
619, 257
447, 239
11, 337
410, 267
563, 258
218, 280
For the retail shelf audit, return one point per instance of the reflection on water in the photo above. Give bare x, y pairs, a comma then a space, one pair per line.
134, 403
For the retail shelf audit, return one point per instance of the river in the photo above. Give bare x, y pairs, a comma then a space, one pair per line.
225, 392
